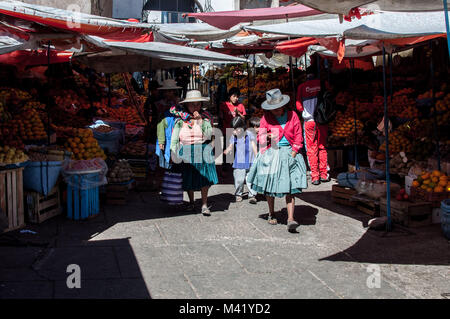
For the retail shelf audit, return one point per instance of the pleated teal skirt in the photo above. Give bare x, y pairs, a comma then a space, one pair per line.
199, 168
277, 174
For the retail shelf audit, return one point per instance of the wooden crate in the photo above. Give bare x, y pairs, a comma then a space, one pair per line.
367, 205
116, 194
39, 208
11, 199
408, 214
418, 194
342, 195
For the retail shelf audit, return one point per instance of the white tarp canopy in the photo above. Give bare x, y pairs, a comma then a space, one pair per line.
344, 6
9, 44
131, 57
194, 31
171, 52
383, 25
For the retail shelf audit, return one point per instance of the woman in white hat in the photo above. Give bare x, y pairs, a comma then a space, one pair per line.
279, 171
190, 143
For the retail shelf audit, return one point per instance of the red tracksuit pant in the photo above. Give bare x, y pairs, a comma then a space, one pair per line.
316, 141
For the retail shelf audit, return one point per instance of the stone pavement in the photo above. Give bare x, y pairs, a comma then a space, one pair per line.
147, 250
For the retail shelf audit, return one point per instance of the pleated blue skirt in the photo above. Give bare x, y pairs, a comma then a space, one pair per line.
277, 174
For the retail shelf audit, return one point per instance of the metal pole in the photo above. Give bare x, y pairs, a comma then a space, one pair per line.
248, 81
386, 132
48, 98
354, 116
147, 168
108, 76
254, 70
447, 25
433, 101
291, 69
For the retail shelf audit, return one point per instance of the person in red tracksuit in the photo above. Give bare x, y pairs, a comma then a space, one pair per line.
315, 134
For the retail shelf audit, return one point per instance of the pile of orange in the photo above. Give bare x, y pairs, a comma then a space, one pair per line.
84, 146
29, 126
343, 125
434, 182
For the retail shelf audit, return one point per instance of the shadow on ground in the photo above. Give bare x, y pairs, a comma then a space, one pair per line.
411, 246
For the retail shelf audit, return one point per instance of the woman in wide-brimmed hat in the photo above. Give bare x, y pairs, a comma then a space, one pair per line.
279, 171
190, 143
169, 90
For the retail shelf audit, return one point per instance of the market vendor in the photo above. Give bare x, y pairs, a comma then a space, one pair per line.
170, 97
315, 134
150, 111
191, 144
231, 108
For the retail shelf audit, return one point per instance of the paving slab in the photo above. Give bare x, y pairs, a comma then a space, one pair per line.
280, 285
94, 262
104, 289
18, 257
30, 290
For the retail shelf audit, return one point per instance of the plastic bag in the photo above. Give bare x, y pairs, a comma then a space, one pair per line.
374, 188
85, 174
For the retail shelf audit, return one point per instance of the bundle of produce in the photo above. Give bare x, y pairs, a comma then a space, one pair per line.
125, 114
84, 146
399, 105
5, 116
70, 101
121, 172
34, 105
14, 96
444, 104
104, 129
421, 149
28, 125
433, 182
400, 164
62, 118
397, 143
138, 148
11, 155
344, 125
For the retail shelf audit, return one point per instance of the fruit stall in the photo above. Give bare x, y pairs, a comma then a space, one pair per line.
40, 127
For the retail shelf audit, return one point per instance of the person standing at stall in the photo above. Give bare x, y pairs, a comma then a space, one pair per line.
170, 97
315, 134
229, 110
191, 143
279, 170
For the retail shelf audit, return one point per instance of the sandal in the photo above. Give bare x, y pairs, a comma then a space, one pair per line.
292, 226
206, 211
190, 208
272, 220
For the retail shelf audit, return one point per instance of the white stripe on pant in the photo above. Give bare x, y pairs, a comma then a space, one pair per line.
240, 177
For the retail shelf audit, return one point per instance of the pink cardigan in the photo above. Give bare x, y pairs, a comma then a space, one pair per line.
292, 131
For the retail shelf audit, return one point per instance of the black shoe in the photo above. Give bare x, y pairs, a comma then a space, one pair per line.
316, 183
322, 180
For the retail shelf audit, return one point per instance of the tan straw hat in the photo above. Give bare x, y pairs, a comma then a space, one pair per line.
169, 84
195, 96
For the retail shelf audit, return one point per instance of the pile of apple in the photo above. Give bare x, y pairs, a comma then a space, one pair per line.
402, 196
71, 102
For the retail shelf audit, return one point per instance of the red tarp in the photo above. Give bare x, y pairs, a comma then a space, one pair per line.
227, 19
110, 32
24, 58
297, 47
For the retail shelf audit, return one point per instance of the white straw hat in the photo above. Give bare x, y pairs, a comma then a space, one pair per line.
195, 96
275, 100
169, 84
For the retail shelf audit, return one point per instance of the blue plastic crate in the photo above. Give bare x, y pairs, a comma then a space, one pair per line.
82, 202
